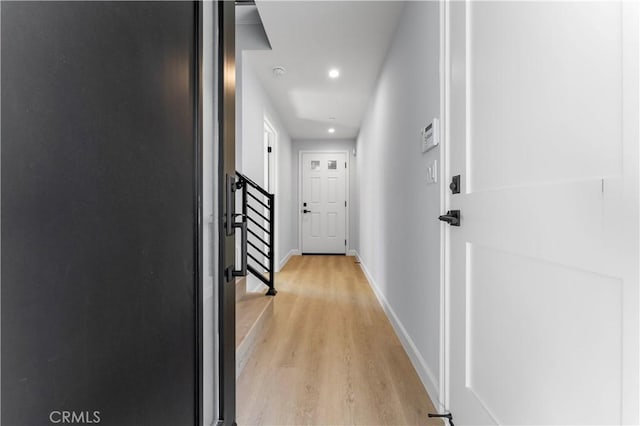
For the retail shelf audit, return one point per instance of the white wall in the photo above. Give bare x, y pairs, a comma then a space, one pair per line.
253, 106
399, 231
327, 145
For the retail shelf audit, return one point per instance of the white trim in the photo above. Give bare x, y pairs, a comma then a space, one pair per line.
445, 168
427, 377
292, 252
268, 171
347, 184
209, 232
268, 126
352, 252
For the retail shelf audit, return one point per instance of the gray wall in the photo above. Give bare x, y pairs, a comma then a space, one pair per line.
254, 106
399, 231
327, 145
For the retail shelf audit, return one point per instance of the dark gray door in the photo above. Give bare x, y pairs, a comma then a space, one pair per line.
226, 203
100, 283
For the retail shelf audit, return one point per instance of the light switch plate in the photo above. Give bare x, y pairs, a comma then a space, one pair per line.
432, 172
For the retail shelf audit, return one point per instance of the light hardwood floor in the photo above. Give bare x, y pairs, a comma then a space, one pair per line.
330, 356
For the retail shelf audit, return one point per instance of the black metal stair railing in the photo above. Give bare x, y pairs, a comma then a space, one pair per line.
258, 209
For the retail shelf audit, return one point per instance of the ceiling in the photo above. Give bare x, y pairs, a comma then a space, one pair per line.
308, 38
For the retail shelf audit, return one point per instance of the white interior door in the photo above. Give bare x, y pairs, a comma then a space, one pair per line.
543, 271
324, 202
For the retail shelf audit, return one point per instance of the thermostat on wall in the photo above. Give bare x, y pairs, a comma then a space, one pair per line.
431, 135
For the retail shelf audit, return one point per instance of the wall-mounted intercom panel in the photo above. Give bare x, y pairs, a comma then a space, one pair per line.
430, 135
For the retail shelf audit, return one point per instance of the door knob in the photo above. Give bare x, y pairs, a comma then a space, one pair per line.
306, 211
452, 217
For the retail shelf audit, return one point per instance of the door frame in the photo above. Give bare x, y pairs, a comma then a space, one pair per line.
347, 195
271, 178
198, 128
270, 183
225, 288
442, 404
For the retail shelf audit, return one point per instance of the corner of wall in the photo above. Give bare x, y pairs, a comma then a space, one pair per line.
285, 259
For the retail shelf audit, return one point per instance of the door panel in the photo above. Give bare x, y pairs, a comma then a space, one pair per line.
544, 267
315, 225
539, 311
542, 99
315, 190
332, 225
226, 206
332, 191
324, 192
100, 277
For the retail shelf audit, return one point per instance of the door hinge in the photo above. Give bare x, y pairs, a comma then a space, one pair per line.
345, 242
269, 149
345, 204
345, 164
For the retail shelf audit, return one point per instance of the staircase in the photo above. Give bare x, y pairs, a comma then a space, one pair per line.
254, 311
258, 231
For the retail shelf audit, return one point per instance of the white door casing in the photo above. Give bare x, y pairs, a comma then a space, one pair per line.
270, 137
270, 140
543, 271
323, 183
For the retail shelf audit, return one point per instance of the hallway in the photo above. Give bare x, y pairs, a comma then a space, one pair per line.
330, 355
441, 200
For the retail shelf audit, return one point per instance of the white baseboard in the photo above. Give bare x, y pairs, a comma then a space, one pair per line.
419, 364
284, 261
352, 252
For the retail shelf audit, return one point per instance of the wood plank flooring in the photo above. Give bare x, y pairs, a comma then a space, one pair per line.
254, 312
330, 356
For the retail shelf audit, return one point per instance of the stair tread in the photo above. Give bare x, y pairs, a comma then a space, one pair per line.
249, 309
241, 288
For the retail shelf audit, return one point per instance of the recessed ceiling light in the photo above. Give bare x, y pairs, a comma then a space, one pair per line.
332, 130
279, 71
334, 73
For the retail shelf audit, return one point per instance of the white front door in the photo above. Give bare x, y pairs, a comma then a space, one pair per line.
324, 203
543, 271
